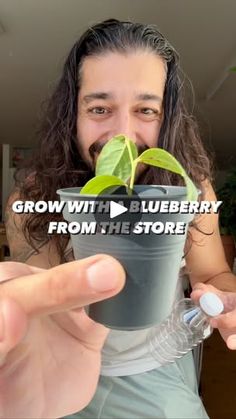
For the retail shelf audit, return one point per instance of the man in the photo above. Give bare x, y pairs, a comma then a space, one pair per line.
119, 78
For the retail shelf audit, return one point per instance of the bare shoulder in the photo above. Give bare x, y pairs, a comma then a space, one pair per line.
208, 190
205, 256
20, 249
206, 225
208, 222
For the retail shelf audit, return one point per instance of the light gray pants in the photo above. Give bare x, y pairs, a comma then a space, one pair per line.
166, 392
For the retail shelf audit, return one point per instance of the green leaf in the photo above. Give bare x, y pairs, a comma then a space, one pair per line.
117, 163
98, 184
192, 193
161, 158
233, 69
115, 158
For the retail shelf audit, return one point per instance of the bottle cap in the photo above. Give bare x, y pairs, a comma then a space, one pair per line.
211, 304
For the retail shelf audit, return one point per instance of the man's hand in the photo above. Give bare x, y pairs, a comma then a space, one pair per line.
226, 322
49, 348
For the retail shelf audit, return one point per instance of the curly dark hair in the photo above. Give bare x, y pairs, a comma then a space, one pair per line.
58, 163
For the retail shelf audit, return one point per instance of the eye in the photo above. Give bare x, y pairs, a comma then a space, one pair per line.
98, 110
149, 111
148, 114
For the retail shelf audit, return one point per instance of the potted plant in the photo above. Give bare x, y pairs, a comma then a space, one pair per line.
227, 215
151, 261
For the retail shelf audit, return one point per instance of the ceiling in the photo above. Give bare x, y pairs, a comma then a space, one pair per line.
37, 36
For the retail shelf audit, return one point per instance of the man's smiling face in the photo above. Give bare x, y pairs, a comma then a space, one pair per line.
120, 94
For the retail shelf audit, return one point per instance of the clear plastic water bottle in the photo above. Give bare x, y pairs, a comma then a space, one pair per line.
185, 327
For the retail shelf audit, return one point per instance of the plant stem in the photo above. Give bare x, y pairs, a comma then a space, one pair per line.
132, 177
133, 169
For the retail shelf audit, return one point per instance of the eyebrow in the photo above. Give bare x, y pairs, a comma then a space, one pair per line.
97, 95
106, 95
149, 96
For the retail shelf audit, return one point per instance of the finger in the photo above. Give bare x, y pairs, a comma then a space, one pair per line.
13, 326
225, 321
228, 298
231, 342
10, 270
67, 286
200, 288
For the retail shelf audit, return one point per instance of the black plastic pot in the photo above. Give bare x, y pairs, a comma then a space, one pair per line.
152, 261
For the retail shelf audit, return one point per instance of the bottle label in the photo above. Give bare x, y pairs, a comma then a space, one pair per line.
190, 314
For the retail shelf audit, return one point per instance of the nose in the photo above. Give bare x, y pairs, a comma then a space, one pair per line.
125, 124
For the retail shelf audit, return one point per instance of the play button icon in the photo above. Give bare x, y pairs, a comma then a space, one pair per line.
116, 209
115, 206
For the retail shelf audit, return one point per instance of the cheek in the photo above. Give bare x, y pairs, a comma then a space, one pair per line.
149, 132
87, 133
157, 135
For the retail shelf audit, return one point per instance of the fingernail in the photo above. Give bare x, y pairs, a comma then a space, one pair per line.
232, 342
2, 326
197, 287
104, 275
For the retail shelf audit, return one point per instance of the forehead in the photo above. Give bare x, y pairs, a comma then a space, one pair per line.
113, 71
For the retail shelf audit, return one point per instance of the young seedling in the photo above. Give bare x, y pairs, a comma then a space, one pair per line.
117, 164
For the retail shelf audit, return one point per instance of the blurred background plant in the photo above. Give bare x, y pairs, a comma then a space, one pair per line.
227, 215
227, 194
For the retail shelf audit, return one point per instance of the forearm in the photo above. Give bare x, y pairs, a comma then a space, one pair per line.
225, 281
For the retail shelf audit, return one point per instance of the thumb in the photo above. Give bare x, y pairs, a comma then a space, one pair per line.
200, 288
228, 298
74, 284
13, 326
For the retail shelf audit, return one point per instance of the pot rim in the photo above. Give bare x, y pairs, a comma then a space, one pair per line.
176, 192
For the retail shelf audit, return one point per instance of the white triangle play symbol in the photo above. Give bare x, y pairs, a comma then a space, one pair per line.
116, 209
